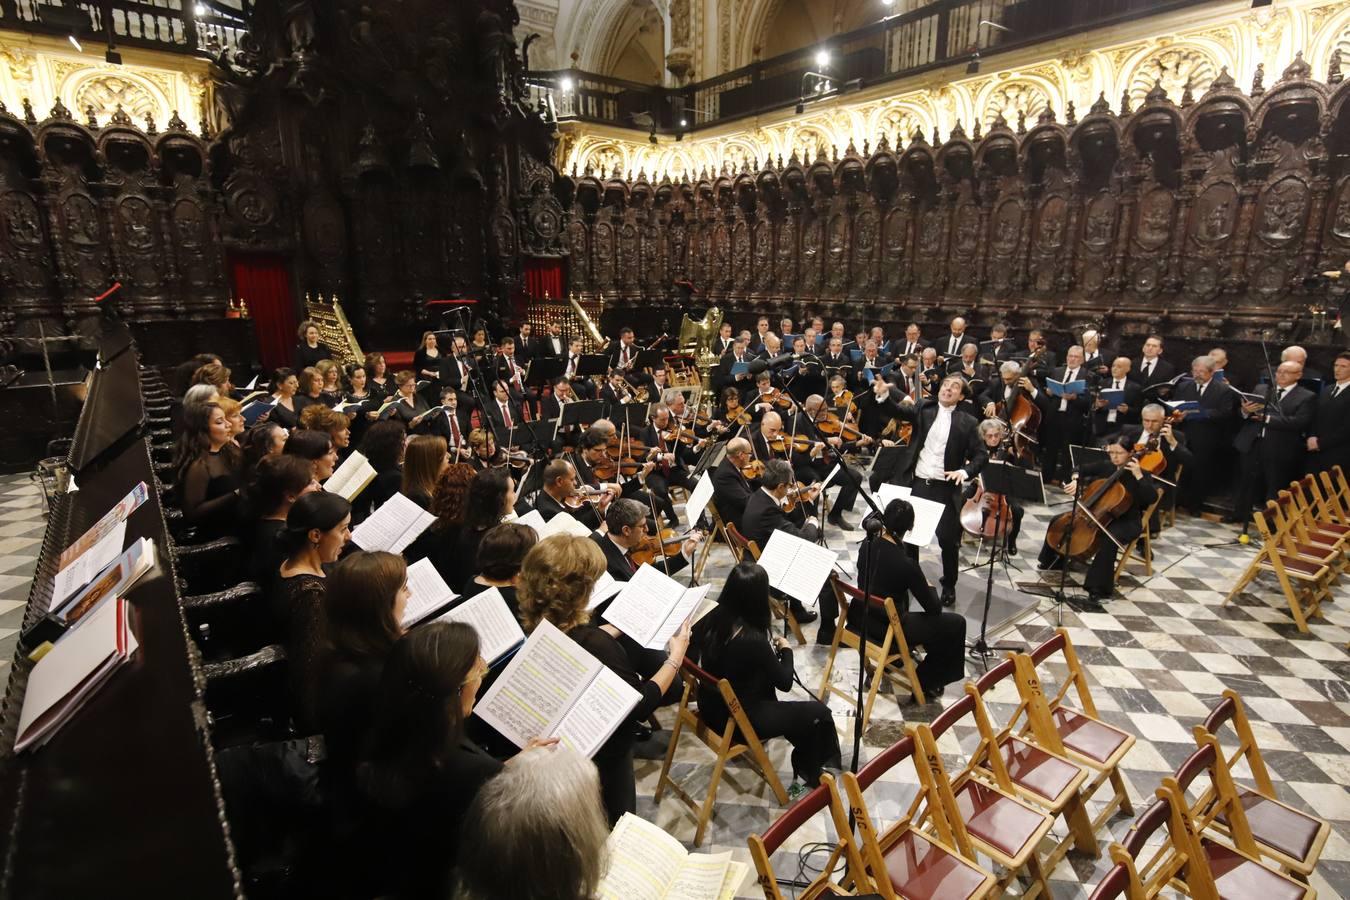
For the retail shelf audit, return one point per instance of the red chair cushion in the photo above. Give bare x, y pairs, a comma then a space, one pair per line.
1003, 824
918, 868
1238, 878
1087, 736
1280, 828
1032, 769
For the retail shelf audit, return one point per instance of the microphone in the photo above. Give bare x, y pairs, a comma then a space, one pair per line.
872, 524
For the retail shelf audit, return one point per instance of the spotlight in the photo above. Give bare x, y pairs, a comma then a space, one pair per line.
74, 42
565, 84
973, 67
822, 59
201, 11
684, 123
887, 2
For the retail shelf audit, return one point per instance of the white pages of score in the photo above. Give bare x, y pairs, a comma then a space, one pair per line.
393, 526
351, 477
498, 631
645, 863
428, 593
652, 606
553, 688
796, 567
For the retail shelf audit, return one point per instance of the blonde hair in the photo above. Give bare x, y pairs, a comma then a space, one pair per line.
228, 405
556, 579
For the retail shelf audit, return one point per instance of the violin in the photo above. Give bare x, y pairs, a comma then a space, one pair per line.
753, 469
657, 546
799, 443
776, 397
833, 426
737, 414
800, 493
900, 431
583, 495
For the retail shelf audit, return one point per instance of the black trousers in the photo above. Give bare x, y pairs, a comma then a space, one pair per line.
942, 637
949, 527
1061, 430
658, 485
807, 725
1101, 573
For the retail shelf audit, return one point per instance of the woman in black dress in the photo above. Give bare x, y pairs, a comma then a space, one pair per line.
419, 772
377, 376
315, 446
209, 470
424, 459
500, 556
331, 371
286, 411
897, 575
411, 408
311, 389
556, 581
309, 351
734, 642
317, 528
383, 448
492, 496
277, 483
448, 505
427, 362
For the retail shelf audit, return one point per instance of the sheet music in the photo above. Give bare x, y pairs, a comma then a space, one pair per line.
251, 385
643, 604
602, 707
498, 630
82, 570
564, 523
796, 567
535, 519
642, 861
393, 526
429, 593
698, 499
927, 515
351, 477
887, 492
539, 685
830, 477
689, 603
605, 587
706, 876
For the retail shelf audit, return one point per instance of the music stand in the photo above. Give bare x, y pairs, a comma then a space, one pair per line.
633, 416
711, 458
1017, 483
591, 364
544, 371
887, 463
543, 431
581, 413
648, 359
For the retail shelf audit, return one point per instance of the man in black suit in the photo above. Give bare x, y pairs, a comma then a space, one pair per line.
1065, 419
950, 345
1005, 390
1154, 427
946, 451
1000, 348
724, 340
1151, 368
623, 352
527, 344
1094, 358
731, 489
764, 515
627, 521
835, 361
502, 410
1273, 439
1101, 574
913, 342
560, 485
1297, 354
722, 377
553, 345
1206, 431
459, 369
452, 423
506, 368
1329, 442
1040, 358
1108, 418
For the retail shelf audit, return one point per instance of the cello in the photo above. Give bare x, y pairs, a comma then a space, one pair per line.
1024, 425
1078, 534
988, 515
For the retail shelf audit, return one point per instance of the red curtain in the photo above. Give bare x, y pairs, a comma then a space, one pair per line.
543, 274
263, 281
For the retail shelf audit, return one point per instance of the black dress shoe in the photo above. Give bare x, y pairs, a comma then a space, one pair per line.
838, 521
948, 596
932, 692
803, 615
1012, 549
824, 638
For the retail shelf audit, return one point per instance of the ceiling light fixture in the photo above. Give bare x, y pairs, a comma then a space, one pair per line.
822, 59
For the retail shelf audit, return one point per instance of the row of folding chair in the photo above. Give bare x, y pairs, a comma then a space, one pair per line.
1305, 542
1221, 840
997, 802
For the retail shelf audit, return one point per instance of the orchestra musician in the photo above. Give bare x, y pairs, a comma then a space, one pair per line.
559, 493
451, 422
593, 453
731, 489
1101, 574
502, 411
946, 452
526, 345
485, 454
554, 343
670, 457
623, 353
617, 390
1154, 427
815, 410
507, 370
1000, 395
764, 515
994, 434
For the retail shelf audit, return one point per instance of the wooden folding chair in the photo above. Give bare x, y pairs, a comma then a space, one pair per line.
1233, 869
890, 658
740, 547
1115, 885
735, 739
1147, 557
1303, 580
903, 861
1151, 870
1314, 542
1326, 517
1168, 517
719, 531
1287, 836
983, 816
763, 847
1336, 490
1031, 772
1077, 734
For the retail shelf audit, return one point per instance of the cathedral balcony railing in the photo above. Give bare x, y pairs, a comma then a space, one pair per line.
940, 34
182, 26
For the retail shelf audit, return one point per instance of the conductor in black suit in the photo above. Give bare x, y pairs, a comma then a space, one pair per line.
764, 515
1273, 439
1206, 430
946, 451
1329, 442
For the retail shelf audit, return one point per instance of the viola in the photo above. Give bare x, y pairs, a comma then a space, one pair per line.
656, 546
832, 426
797, 444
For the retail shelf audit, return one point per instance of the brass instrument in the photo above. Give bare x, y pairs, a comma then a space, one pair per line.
696, 339
335, 332
576, 317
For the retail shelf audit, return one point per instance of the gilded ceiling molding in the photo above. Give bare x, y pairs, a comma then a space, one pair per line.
1185, 62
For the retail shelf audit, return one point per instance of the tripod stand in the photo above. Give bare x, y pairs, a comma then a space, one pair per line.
1013, 483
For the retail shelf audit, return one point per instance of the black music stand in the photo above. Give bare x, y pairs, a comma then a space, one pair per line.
544, 371
648, 359
581, 413
1016, 483
633, 416
888, 463
591, 364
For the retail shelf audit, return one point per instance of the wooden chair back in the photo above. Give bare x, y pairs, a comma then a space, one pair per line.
890, 653
763, 847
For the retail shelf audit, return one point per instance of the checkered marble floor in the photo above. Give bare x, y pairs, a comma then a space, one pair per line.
1158, 658
22, 521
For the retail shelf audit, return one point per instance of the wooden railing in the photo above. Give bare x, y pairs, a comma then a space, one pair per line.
175, 25
941, 33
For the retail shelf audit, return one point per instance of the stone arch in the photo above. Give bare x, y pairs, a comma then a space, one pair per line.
106, 89
1173, 64
1332, 35
1028, 93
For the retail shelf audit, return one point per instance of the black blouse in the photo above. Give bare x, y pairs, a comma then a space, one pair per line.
306, 357
208, 493
297, 609
756, 671
898, 576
